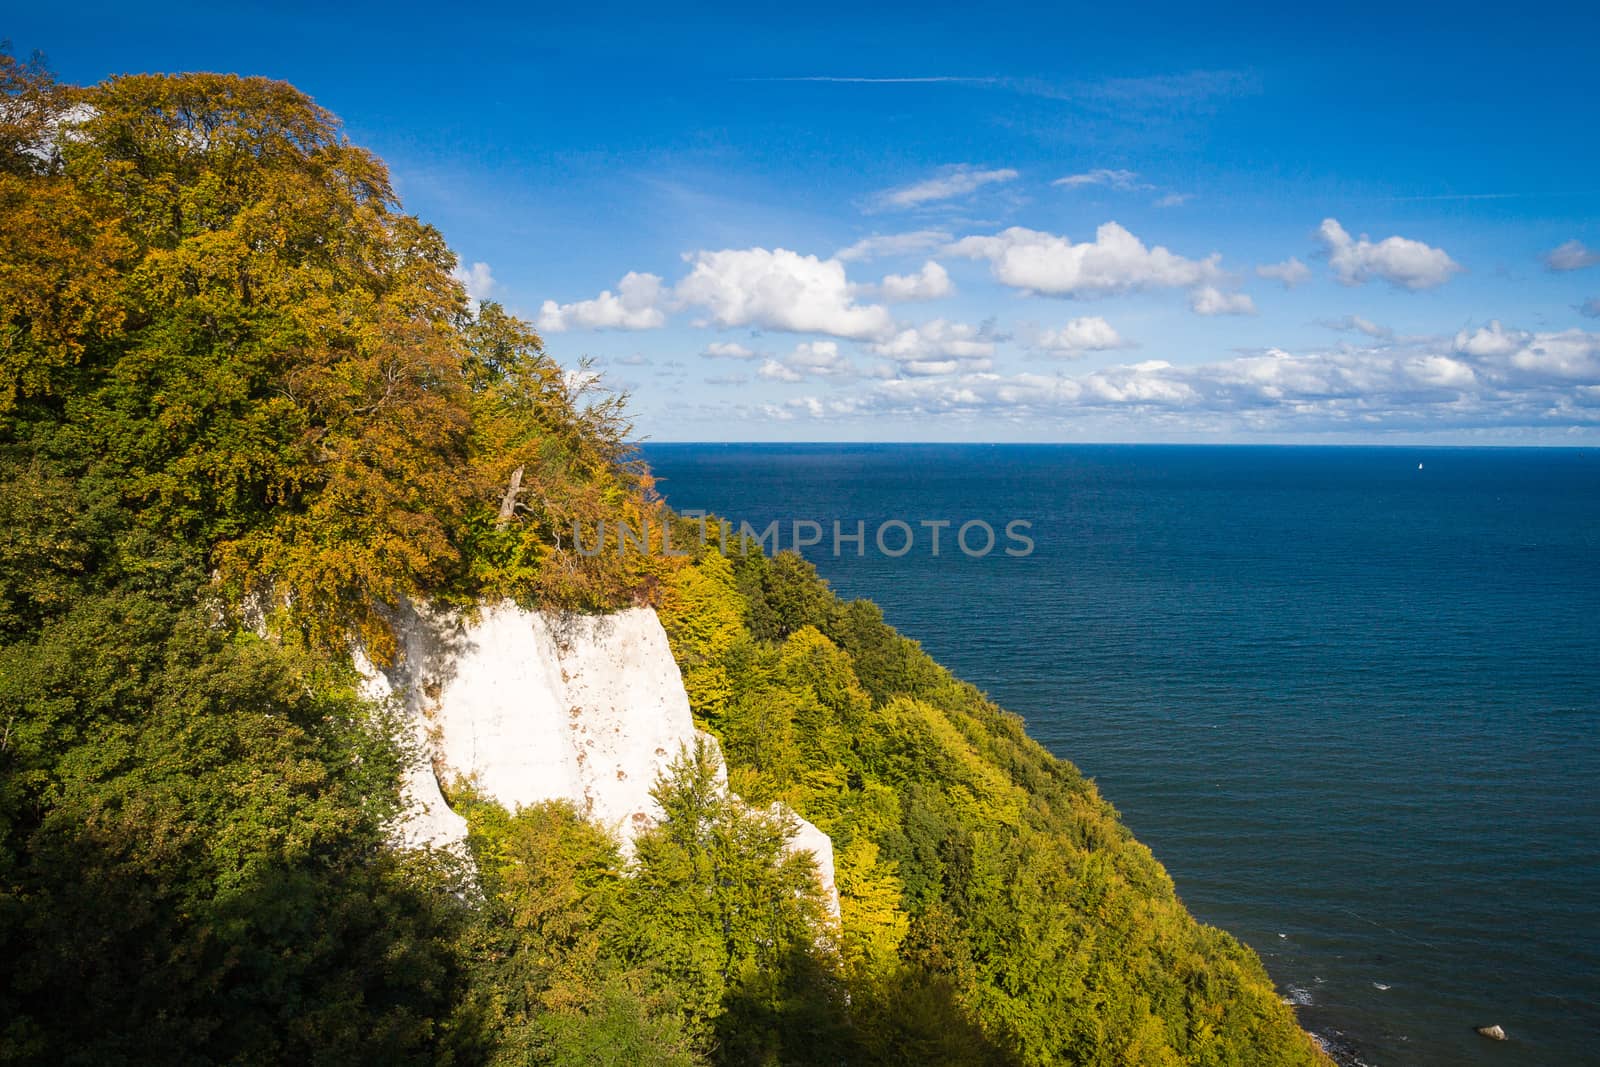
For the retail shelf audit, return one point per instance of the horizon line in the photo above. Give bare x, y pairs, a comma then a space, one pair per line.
1131, 444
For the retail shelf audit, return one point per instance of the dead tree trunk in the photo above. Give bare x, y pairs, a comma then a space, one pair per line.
508, 503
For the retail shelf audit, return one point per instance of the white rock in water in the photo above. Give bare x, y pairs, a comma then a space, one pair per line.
1493, 1033
537, 706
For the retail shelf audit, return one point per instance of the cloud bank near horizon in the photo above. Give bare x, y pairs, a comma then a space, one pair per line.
858, 349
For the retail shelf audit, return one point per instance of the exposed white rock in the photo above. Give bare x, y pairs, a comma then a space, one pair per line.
428, 821
807, 838
535, 706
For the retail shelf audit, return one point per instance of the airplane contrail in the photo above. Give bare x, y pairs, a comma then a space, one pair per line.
877, 81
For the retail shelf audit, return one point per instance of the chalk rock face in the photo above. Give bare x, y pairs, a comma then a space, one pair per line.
537, 706
807, 838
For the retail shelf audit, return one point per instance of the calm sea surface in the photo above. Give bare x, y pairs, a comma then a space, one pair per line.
1352, 704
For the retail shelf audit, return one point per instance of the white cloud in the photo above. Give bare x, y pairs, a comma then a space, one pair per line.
1115, 179
952, 182
893, 244
1399, 261
1209, 300
810, 359
930, 283
1442, 372
1572, 356
777, 289
774, 371
1291, 272
1574, 255
819, 357
1490, 340
1174, 199
727, 350
477, 280
1080, 336
1519, 359
634, 306
938, 347
1549, 379
1115, 261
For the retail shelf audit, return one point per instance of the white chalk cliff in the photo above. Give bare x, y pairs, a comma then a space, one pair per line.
536, 706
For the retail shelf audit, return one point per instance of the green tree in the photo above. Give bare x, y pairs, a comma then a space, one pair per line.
244, 411
724, 907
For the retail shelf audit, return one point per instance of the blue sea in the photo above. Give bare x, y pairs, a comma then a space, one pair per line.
1349, 696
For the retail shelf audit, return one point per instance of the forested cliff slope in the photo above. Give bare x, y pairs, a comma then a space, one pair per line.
247, 414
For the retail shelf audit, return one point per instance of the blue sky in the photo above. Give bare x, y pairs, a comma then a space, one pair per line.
986, 222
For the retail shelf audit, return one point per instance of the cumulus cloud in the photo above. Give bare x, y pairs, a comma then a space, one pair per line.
1490, 340
1115, 179
810, 359
1574, 255
1520, 379
893, 244
727, 350
777, 289
477, 280
938, 347
772, 370
1115, 261
1291, 272
1572, 356
930, 283
1400, 261
1209, 300
634, 306
1079, 337
948, 184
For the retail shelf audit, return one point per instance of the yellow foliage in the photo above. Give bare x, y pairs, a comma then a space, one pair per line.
869, 905
275, 364
703, 613
809, 659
